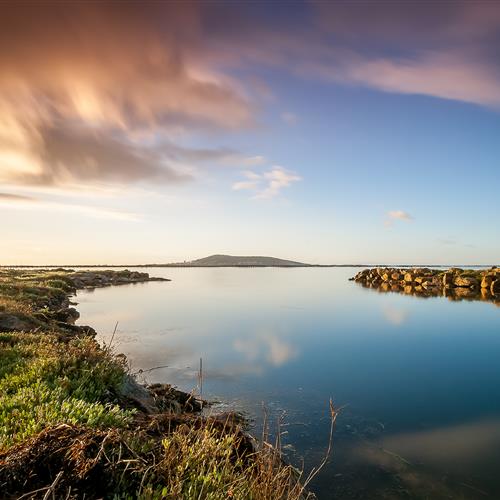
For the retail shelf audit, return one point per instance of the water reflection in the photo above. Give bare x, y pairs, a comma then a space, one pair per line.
452, 294
446, 462
265, 347
395, 316
293, 338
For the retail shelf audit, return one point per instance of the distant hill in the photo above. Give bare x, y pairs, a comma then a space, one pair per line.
240, 261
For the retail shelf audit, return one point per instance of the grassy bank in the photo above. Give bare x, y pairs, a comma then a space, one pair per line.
74, 424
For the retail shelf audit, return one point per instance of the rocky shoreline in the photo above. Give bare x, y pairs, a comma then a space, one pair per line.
52, 299
76, 424
453, 283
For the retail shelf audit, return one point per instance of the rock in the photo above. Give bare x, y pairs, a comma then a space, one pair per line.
423, 279
409, 278
466, 281
495, 287
68, 315
448, 278
138, 395
429, 285
487, 281
10, 323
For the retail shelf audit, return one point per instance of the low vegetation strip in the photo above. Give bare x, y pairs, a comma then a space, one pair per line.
74, 423
453, 283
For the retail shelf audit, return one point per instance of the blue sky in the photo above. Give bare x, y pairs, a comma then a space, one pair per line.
305, 133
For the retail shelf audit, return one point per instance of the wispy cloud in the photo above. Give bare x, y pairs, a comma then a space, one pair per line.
95, 93
397, 215
14, 198
268, 184
400, 215
19, 202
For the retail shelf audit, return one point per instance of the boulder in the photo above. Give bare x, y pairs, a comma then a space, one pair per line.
448, 279
429, 285
423, 279
487, 281
466, 281
10, 323
495, 287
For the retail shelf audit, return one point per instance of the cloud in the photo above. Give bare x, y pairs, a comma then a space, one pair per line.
21, 202
397, 215
400, 215
66, 155
269, 184
445, 52
91, 92
9, 197
446, 75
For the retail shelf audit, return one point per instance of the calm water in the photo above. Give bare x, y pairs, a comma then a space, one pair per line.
418, 379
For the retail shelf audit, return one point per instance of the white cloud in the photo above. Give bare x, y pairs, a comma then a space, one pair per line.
242, 185
28, 203
400, 215
269, 184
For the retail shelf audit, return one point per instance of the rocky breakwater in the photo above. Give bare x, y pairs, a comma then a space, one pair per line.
453, 283
99, 279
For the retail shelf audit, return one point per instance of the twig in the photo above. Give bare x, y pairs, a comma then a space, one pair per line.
200, 378
147, 370
113, 336
52, 487
315, 471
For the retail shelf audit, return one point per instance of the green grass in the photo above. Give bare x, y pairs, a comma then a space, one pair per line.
44, 382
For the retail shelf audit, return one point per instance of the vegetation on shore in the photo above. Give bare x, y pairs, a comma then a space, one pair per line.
74, 424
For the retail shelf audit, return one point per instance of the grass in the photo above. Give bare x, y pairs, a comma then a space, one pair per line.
68, 431
44, 381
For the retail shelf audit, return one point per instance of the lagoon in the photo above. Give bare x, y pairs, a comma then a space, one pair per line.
418, 380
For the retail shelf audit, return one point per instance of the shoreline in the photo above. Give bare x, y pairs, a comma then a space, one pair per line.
189, 266
55, 418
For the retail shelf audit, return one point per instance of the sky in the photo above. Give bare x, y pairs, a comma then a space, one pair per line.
327, 132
